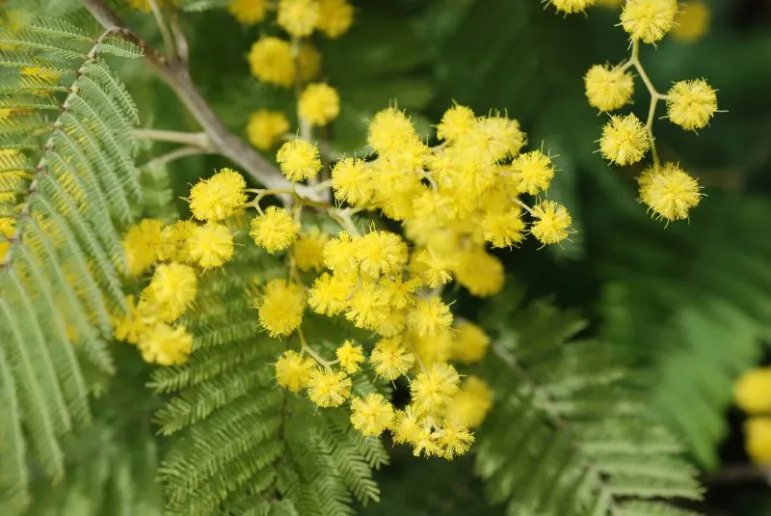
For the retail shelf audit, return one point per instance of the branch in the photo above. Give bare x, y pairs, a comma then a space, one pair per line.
177, 77
200, 140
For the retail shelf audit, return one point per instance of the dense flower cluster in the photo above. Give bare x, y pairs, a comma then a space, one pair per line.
752, 393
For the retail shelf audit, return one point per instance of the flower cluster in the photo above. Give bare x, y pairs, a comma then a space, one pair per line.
177, 253
752, 393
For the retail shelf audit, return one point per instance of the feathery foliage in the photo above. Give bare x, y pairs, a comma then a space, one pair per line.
67, 179
569, 434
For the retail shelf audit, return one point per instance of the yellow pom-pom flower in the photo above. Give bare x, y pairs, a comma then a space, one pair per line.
608, 87
308, 250
299, 160
298, 17
293, 371
140, 318
275, 230
571, 6
758, 439
142, 245
470, 405
352, 181
752, 392
692, 21
368, 306
381, 252
211, 245
218, 197
429, 317
173, 288
248, 12
552, 224
281, 307
432, 389
390, 358
174, 246
350, 356
7, 229
265, 128
165, 345
532, 172
504, 229
407, 425
372, 415
340, 254
470, 343
452, 440
456, 123
669, 192
624, 140
329, 388
319, 104
691, 104
335, 17
481, 273
390, 129
271, 61
648, 20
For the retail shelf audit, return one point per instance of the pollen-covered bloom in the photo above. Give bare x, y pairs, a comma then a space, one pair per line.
691, 104
174, 241
480, 272
758, 436
456, 123
319, 104
371, 415
265, 128
692, 21
218, 197
668, 191
308, 250
648, 20
293, 371
608, 88
298, 17
470, 405
532, 172
624, 140
452, 439
329, 294
281, 307
571, 6
299, 160
352, 181
271, 61
391, 359
470, 343
142, 245
335, 17
429, 317
505, 228
329, 388
752, 392
432, 389
381, 252
248, 12
350, 356
552, 224
275, 230
165, 345
389, 129
140, 318
211, 245
173, 289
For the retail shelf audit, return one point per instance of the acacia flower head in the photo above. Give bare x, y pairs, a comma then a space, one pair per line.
504, 228
335, 17
532, 172
299, 160
298, 17
456, 122
218, 197
211, 245
371, 415
571, 6
692, 21
308, 249
624, 140
608, 88
429, 317
281, 307
142, 245
165, 345
319, 104
752, 391
691, 104
391, 359
351, 181
470, 343
275, 230
271, 61
648, 20
173, 288
432, 389
350, 356
758, 444
470, 405
329, 388
248, 12
329, 293
552, 224
265, 128
669, 192
293, 371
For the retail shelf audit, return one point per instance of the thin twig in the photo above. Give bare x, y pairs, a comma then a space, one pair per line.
740, 473
200, 140
168, 41
174, 155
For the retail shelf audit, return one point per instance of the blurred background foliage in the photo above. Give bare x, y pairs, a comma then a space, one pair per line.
690, 303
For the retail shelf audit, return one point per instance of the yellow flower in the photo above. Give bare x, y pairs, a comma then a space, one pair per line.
293, 371
140, 318
608, 88
430, 350
691, 104
470, 405
504, 229
211, 245
407, 425
174, 246
173, 288
299, 160
350, 356
692, 21
7, 225
752, 392
432, 268
372, 415
494, 138
271, 61
470, 343
329, 294
532, 172
265, 128
571, 6
390, 358
248, 12
318, 104
308, 250
669, 191
429, 317
456, 123
452, 439
552, 222
340, 254
481, 273
758, 439
648, 20
381, 252
142, 245
624, 140
298, 17
352, 181
368, 307
329, 388
389, 129
335, 17
432, 389
281, 307
165, 345
218, 197
275, 230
